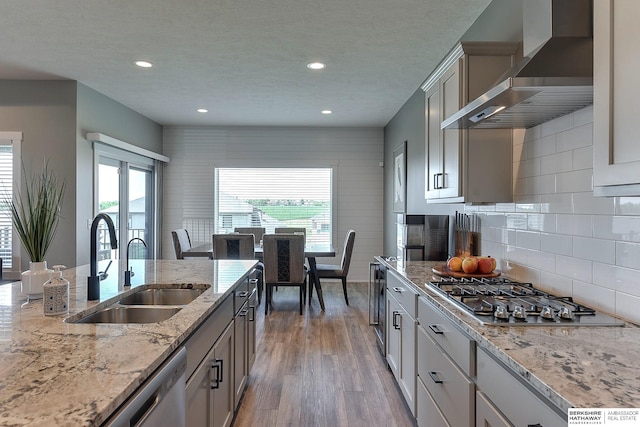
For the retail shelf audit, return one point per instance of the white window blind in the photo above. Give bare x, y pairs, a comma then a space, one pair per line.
6, 190
275, 197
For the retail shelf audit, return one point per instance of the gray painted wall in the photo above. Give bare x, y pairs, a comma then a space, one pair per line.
54, 117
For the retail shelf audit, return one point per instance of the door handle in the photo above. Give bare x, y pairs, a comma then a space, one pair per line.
436, 329
243, 294
434, 377
215, 382
396, 324
252, 318
398, 289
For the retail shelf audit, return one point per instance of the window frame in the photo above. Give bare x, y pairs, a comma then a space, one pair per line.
15, 140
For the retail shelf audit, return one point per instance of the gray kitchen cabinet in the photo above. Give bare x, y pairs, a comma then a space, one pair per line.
210, 370
487, 415
252, 330
245, 337
466, 165
506, 393
401, 335
616, 152
445, 365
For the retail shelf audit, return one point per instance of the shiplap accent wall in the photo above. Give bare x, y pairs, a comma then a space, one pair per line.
354, 153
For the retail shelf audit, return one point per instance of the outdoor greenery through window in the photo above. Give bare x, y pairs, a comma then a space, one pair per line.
275, 197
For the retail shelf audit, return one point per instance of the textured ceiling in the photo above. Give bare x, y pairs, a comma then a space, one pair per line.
244, 60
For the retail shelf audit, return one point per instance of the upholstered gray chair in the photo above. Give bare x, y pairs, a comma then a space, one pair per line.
238, 246
290, 230
283, 257
258, 232
330, 271
182, 243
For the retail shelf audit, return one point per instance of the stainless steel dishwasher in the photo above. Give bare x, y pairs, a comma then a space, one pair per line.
160, 401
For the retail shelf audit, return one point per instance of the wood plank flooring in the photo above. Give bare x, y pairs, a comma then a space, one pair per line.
320, 368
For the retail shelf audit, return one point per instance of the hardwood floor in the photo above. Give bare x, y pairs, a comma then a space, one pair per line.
320, 369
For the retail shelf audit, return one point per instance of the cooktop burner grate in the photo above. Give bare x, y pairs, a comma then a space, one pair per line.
502, 301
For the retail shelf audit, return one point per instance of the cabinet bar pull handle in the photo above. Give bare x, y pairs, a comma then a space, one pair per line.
535, 425
396, 324
215, 383
436, 329
434, 377
221, 370
243, 294
252, 318
398, 289
243, 312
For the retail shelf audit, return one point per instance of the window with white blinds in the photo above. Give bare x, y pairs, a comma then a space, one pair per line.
275, 197
6, 192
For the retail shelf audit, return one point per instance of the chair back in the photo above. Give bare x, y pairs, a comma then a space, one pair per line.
181, 241
349, 241
233, 246
258, 232
283, 258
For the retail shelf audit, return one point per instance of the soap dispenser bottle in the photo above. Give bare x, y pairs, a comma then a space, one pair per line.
56, 293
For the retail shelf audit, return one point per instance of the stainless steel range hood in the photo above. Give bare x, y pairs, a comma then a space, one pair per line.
554, 78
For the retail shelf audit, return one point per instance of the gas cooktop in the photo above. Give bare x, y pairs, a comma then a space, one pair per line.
503, 302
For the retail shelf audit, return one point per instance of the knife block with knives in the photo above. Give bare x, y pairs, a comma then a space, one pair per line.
466, 234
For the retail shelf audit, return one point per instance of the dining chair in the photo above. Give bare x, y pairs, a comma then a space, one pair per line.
182, 243
238, 246
283, 257
290, 230
330, 271
258, 232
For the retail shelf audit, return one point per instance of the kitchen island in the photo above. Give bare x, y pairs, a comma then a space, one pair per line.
572, 366
56, 373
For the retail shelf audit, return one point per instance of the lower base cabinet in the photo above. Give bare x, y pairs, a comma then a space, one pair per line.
210, 390
428, 412
506, 395
487, 415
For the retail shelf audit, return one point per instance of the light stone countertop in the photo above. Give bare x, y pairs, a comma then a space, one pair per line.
573, 366
54, 373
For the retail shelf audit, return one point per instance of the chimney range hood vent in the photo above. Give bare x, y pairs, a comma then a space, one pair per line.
554, 78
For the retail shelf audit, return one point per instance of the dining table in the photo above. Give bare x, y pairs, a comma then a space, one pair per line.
312, 250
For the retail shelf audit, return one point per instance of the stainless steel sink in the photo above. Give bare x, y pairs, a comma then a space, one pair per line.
162, 296
119, 314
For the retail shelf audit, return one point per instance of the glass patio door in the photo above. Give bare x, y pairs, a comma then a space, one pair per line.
125, 193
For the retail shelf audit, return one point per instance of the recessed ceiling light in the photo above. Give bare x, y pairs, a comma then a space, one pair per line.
315, 65
202, 110
327, 111
143, 64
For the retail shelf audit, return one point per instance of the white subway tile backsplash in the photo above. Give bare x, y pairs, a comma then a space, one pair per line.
627, 307
583, 158
575, 225
594, 249
528, 239
619, 279
628, 254
624, 228
587, 203
554, 163
557, 125
575, 181
556, 284
542, 261
556, 203
583, 116
541, 147
578, 137
627, 205
529, 168
542, 222
543, 184
578, 269
516, 220
556, 244
600, 298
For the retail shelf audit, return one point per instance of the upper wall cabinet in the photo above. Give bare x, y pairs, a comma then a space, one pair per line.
474, 165
616, 159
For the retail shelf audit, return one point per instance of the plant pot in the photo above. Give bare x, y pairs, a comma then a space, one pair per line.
34, 278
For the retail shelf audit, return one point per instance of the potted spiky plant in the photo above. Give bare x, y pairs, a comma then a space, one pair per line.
35, 214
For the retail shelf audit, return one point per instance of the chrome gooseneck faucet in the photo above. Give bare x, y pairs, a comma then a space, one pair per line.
93, 281
128, 273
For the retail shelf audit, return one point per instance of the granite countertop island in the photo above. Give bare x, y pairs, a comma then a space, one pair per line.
56, 373
572, 366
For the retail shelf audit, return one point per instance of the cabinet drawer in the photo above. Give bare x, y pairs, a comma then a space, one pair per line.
451, 389
200, 342
403, 293
428, 413
458, 345
521, 405
487, 415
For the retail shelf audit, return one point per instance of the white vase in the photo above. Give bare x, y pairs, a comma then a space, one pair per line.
34, 278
